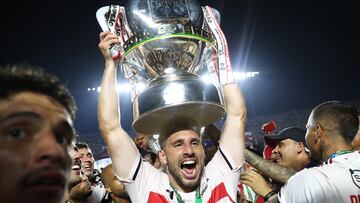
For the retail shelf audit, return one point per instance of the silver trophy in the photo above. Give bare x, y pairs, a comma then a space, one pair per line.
167, 46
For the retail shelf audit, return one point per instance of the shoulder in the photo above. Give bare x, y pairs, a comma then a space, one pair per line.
222, 161
306, 176
307, 184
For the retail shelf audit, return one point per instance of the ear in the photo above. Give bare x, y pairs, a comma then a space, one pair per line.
300, 147
107, 188
162, 157
319, 131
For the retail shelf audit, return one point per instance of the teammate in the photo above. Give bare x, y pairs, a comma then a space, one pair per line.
182, 154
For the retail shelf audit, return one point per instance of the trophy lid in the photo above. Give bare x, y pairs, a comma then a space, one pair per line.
156, 16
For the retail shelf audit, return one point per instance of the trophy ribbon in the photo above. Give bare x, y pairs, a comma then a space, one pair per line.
224, 69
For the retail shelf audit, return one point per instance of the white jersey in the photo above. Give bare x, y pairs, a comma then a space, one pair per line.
218, 183
97, 188
335, 181
98, 193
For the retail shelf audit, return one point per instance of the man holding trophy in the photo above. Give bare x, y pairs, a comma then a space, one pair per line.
167, 45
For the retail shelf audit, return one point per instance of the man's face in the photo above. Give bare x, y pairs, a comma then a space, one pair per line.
184, 159
285, 153
87, 161
311, 140
75, 167
116, 187
35, 136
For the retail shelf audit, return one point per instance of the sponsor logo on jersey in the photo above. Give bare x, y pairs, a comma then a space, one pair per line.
355, 176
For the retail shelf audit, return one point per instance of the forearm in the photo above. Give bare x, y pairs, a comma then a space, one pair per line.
232, 136
108, 111
275, 171
121, 147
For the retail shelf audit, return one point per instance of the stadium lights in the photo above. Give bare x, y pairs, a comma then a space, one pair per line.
244, 75
126, 87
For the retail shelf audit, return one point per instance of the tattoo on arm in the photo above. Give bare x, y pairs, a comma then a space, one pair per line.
275, 171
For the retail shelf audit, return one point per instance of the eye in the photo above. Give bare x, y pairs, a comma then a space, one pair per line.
196, 143
177, 145
64, 133
16, 133
61, 140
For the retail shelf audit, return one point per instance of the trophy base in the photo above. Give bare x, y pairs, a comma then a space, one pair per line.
200, 113
190, 99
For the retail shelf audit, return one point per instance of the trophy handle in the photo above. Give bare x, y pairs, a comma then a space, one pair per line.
113, 19
222, 69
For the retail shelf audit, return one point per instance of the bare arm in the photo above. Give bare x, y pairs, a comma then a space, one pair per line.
122, 150
275, 171
232, 137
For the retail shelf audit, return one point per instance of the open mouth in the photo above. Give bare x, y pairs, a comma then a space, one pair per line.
76, 167
278, 159
87, 167
46, 182
188, 167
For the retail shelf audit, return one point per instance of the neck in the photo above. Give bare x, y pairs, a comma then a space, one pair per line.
177, 186
181, 189
328, 150
303, 161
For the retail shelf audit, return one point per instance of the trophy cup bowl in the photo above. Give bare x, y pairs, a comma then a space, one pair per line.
166, 47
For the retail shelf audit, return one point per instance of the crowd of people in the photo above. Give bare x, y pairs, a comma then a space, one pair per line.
41, 160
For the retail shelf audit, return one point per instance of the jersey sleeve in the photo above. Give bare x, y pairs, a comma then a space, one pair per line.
222, 170
142, 180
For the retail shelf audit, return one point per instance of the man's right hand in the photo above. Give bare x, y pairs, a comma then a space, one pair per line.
107, 40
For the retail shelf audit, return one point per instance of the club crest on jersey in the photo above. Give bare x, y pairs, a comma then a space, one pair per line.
355, 176
203, 187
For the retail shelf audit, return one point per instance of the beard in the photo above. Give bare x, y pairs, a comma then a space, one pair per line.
187, 185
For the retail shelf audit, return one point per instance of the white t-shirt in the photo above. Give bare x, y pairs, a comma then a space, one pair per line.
336, 181
98, 192
218, 183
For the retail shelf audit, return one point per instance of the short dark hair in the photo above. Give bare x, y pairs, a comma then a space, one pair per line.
174, 125
344, 117
19, 78
82, 145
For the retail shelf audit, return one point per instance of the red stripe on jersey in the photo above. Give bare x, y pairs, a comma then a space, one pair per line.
218, 193
156, 198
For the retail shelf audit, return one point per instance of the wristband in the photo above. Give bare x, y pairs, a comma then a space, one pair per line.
268, 195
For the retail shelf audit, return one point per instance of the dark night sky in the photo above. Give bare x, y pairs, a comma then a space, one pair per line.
306, 51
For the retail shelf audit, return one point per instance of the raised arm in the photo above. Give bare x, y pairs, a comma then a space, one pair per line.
232, 136
122, 150
275, 171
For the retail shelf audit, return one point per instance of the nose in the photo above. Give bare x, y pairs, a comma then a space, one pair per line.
47, 149
276, 150
188, 149
85, 158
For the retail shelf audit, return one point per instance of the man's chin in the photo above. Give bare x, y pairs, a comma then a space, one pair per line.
190, 183
34, 198
88, 173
